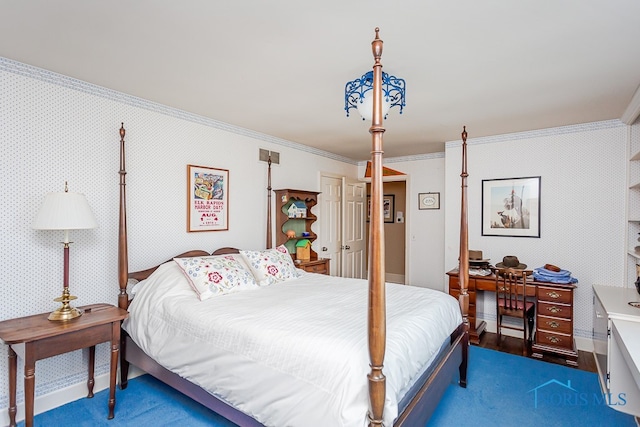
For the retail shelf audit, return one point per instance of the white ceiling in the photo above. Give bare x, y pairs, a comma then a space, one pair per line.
279, 67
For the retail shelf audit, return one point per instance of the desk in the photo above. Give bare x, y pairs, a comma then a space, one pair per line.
35, 337
478, 283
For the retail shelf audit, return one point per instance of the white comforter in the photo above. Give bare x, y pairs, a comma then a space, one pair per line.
294, 353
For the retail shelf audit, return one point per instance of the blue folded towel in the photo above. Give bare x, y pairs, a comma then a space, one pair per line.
562, 276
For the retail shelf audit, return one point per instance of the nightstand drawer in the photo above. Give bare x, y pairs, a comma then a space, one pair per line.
320, 266
71, 341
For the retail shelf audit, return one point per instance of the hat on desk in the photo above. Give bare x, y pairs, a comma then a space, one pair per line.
511, 261
475, 257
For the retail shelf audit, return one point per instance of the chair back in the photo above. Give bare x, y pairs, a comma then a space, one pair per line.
511, 288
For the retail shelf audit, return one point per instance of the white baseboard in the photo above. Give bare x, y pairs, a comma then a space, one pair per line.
65, 395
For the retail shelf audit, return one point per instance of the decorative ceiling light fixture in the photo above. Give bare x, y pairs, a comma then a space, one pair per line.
359, 94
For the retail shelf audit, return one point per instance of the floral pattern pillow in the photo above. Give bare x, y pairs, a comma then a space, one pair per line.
271, 266
219, 275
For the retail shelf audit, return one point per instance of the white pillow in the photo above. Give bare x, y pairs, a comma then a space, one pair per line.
217, 275
271, 266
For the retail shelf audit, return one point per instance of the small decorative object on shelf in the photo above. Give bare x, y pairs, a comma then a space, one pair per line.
297, 209
303, 250
291, 234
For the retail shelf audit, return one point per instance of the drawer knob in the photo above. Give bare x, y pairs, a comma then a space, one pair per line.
554, 309
553, 324
553, 294
554, 340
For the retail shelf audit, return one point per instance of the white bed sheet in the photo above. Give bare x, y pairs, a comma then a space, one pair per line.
294, 353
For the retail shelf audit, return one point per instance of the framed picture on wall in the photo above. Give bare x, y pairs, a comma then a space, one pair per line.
428, 201
511, 207
388, 208
208, 199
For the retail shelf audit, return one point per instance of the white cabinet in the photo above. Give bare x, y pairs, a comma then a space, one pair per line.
633, 206
616, 326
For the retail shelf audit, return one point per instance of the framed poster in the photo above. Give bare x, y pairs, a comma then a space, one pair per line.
388, 208
208, 199
428, 201
511, 207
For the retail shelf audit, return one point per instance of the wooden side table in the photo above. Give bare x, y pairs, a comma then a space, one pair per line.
35, 337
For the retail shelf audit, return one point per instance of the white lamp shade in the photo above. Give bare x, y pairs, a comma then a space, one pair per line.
64, 211
365, 108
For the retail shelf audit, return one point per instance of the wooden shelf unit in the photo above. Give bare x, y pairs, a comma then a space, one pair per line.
284, 199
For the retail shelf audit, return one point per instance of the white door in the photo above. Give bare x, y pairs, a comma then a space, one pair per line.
330, 237
353, 230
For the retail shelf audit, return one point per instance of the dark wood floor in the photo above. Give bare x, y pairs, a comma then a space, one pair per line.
514, 346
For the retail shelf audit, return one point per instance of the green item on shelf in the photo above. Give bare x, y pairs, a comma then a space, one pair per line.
303, 243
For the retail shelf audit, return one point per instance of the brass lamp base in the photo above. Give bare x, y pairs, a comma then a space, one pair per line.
66, 312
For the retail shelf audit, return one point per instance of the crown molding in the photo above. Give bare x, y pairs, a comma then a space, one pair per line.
633, 109
47, 76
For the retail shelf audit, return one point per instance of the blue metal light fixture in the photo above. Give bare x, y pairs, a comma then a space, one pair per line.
357, 94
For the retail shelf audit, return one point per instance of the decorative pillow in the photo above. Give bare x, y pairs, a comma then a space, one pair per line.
271, 266
218, 275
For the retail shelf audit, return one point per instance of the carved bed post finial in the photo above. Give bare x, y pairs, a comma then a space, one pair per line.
123, 256
377, 304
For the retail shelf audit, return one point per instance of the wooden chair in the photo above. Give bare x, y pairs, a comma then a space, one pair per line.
511, 300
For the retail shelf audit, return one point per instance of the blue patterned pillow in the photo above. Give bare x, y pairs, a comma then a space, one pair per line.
218, 275
271, 266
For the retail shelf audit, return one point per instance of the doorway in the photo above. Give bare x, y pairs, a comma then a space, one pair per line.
395, 194
342, 234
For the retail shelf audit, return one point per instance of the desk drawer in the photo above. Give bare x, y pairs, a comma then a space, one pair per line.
555, 324
549, 294
454, 283
554, 310
556, 340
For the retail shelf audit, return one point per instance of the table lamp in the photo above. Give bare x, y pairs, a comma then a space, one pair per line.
65, 211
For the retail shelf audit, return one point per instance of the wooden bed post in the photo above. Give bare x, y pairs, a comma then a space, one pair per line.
463, 267
269, 238
123, 256
377, 303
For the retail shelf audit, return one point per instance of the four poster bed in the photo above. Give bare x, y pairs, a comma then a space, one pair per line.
302, 350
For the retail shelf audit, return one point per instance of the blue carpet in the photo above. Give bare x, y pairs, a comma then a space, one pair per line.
507, 390
503, 390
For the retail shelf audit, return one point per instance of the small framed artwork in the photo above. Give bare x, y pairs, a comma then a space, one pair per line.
388, 208
207, 199
428, 201
511, 207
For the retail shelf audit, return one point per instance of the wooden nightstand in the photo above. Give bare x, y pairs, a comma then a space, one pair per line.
35, 337
319, 266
